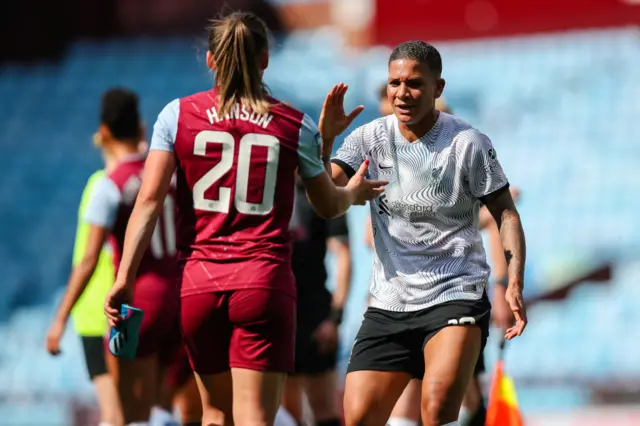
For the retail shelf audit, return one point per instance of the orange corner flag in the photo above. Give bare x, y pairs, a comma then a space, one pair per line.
503, 403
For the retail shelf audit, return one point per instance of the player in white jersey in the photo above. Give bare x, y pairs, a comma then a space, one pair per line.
429, 312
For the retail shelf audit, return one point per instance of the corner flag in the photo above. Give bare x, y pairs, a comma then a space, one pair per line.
503, 402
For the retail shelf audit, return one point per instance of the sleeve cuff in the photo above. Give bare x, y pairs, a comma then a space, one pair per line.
492, 195
347, 169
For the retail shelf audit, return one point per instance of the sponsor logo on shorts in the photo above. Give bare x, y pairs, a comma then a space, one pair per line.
462, 321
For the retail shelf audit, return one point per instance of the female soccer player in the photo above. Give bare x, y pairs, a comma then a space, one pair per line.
84, 305
107, 215
429, 312
236, 151
319, 312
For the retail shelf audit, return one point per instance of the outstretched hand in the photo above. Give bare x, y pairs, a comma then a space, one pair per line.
333, 120
363, 189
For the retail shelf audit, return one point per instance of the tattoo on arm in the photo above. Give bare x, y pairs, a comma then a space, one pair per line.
508, 256
508, 220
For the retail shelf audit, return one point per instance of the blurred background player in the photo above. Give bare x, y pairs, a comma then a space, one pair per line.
138, 381
237, 292
319, 313
85, 303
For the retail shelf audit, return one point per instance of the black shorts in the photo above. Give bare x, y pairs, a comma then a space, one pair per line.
94, 355
309, 359
394, 341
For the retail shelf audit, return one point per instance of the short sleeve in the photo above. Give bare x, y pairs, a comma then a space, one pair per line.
338, 227
103, 206
166, 127
349, 156
310, 162
485, 172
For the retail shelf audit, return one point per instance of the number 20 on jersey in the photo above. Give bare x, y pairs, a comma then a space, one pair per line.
228, 143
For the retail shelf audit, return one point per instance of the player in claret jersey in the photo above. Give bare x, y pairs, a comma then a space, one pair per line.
236, 151
155, 292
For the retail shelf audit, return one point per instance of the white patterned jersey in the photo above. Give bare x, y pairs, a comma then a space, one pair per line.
428, 248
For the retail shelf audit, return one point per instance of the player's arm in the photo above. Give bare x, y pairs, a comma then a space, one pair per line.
327, 199
338, 244
158, 171
99, 217
489, 184
82, 271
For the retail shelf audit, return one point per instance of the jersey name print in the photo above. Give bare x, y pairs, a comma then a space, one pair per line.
235, 189
428, 248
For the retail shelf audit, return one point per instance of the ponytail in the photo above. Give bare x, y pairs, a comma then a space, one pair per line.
237, 43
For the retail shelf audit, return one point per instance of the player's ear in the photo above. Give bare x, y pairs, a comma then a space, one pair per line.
210, 63
264, 60
440, 83
105, 133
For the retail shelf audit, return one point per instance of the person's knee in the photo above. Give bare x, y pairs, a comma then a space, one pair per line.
437, 409
322, 400
355, 410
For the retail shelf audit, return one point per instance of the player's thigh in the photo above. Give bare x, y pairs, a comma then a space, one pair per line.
206, 332
261, 352
321, 392
256, 396
188, 402
292, 396
216, 394
408, 405
369, 396
473, 395
137, 386
450, 358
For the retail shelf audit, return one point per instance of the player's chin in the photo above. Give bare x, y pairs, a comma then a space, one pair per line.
407, 117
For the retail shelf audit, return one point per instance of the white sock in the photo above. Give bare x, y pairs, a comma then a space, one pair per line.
284, 418
465, 416
401, 421
452, 424
162, 417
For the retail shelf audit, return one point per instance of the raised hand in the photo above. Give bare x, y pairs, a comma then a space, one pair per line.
363, 189
333, 120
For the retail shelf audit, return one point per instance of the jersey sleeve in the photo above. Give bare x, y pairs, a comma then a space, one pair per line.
310, 162
338, 227
103, 206
349, 156
485, 172
166, 127
82, 229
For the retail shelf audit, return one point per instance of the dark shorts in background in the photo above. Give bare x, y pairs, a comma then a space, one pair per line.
394, 341
178, 371
252, 329
94, 356
309, 359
